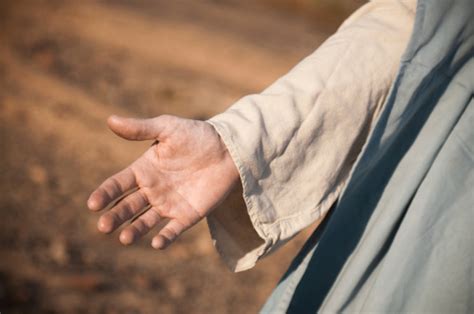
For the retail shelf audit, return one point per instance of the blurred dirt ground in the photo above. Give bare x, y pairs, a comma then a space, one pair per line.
64, 67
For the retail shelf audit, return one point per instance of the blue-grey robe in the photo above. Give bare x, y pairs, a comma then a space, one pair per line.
401, 237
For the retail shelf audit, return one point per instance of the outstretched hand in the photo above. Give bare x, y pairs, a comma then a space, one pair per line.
182, 177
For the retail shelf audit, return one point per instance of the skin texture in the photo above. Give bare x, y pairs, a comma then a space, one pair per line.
182, 177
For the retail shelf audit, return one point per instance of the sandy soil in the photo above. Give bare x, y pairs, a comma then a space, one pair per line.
64, 67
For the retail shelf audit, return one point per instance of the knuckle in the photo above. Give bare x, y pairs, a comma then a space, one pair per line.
137, 228
169, 234
113, 217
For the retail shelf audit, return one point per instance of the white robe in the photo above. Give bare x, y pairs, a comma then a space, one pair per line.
295, 143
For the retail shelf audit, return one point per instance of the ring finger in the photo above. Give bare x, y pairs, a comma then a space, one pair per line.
139, 227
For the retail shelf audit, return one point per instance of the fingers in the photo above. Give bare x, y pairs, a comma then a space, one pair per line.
143, 224
139, 227
111, 189
168, 234
125, 210
137, 129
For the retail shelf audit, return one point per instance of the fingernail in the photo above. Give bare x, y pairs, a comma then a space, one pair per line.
93, 204
103, 226
155, 243
126, 238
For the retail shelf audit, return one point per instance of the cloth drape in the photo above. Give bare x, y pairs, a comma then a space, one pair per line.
295, 143
400, 239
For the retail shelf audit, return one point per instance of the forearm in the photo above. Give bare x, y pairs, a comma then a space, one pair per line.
294, 144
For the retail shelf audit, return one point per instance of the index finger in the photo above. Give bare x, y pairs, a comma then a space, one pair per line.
111, 189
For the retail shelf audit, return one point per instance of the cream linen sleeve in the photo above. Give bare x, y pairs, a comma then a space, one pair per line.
294, 144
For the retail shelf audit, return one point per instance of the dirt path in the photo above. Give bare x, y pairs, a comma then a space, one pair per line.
64, 67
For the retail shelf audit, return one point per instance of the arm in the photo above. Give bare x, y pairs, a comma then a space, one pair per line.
292, 146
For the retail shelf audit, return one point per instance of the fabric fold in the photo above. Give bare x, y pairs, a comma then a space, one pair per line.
295, 143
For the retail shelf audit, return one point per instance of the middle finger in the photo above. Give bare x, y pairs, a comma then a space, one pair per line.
122, 212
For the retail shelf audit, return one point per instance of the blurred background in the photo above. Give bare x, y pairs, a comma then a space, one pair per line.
64, 67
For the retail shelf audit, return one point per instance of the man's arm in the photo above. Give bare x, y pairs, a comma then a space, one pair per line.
295, 143
292, 145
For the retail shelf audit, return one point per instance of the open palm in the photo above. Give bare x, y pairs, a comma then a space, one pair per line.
182, 177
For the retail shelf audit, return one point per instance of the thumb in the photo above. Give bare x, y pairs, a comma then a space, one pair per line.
135, 129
